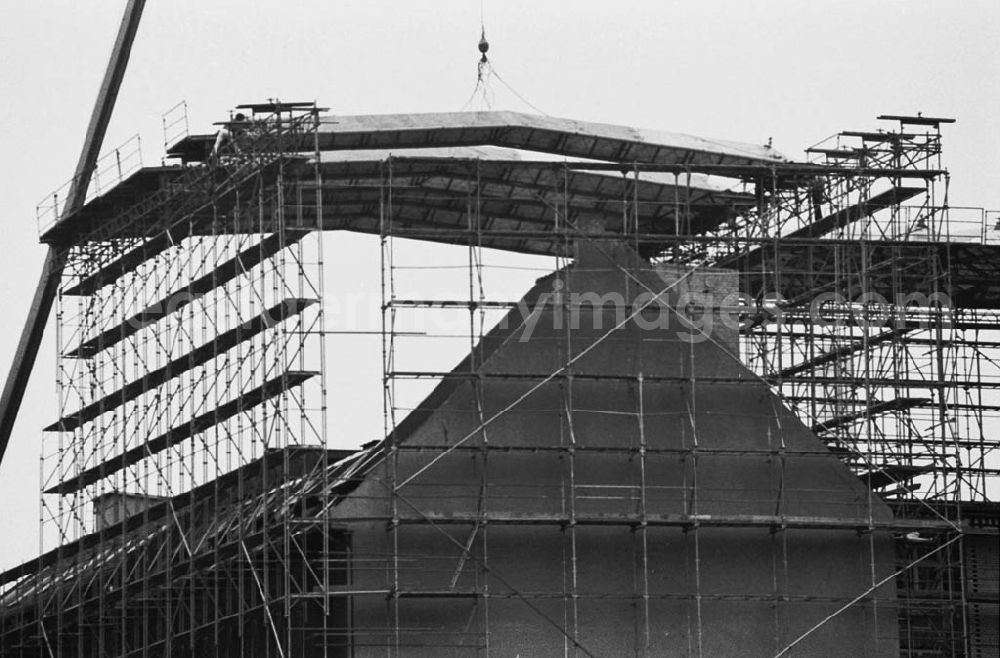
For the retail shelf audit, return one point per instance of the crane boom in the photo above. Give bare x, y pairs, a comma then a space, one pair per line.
45, 292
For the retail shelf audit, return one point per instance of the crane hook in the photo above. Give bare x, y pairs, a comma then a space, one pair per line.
484, 46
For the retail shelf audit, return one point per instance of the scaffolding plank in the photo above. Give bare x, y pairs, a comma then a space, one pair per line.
267, 390
277, 106
199, 356
892, 474
128, 261
839, 353
845, 216
971, 269
898, 404
915, 120
870, 136
301, 459
838, 154
240, 264
775, 521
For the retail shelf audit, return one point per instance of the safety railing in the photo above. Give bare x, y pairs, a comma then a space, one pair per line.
175, 125
963, 224
111, 168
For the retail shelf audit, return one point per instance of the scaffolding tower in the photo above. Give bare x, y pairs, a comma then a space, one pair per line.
192, 507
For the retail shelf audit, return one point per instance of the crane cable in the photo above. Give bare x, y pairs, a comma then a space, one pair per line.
485, 71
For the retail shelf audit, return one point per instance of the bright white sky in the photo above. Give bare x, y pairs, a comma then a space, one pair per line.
789, 70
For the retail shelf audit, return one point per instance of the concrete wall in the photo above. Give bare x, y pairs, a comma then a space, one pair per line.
112, 508
617, 590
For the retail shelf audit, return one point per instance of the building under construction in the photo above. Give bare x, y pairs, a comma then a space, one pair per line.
748, 407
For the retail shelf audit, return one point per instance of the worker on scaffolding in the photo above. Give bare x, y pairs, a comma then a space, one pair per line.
228, 137
819, 195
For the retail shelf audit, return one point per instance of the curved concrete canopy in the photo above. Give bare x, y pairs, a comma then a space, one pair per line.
567, 137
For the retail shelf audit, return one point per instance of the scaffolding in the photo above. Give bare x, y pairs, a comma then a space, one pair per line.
614, 450
847, 311
189, 338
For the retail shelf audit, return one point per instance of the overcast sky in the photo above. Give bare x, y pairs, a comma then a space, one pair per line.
792, 70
